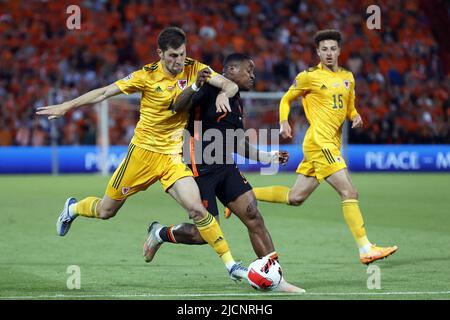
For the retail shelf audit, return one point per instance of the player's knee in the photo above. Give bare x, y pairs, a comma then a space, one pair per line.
349, 194
253, 218
197, 212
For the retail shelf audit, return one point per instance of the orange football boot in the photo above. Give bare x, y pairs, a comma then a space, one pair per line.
227, 213
376, 253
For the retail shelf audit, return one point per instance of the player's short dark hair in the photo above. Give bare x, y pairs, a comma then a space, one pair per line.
235, 58
171, 37
328, 34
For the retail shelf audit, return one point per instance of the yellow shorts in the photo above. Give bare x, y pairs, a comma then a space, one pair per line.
321, 163
141, 168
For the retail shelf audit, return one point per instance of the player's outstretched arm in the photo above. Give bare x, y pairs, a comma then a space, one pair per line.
299, 87
229, 89
184, 100
285, 107
91, 97
249, 151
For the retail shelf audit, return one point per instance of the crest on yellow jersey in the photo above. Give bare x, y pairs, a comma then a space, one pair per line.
347, 84
182, 84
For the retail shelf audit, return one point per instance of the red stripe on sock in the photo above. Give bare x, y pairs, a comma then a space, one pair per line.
170, 235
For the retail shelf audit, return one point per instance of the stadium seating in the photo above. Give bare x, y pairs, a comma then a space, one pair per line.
401, 71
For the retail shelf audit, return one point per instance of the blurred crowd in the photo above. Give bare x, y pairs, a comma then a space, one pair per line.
402, 80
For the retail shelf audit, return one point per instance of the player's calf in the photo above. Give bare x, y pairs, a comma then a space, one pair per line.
259, 236
104, 208
106, 214
185, 233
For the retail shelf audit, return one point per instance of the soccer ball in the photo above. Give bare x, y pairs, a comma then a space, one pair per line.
264, 274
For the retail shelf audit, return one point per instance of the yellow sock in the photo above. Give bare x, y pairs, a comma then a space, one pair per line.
212, 233
279, 194
355, 222
87, 207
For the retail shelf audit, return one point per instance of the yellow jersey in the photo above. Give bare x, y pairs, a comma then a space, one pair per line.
328, 98
160, 129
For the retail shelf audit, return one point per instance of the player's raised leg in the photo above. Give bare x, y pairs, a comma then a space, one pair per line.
90, 207
157, 234
369, 252
185, 192
112, 201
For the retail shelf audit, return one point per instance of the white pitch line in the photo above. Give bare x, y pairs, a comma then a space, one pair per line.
187, 295
379, 293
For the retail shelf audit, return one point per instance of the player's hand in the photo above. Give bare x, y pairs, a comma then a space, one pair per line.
202, 76
54, 111
285, 130
283, 157
280, 157
222, 103
357, 122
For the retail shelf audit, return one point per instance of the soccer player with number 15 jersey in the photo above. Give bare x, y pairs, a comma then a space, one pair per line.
328, 98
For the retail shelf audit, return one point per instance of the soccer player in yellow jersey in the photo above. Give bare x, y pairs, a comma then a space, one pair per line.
328, 98
155, 149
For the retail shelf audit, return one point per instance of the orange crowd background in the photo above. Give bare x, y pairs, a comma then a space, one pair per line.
401, 70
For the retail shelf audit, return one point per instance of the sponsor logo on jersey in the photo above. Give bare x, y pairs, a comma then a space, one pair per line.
323, 87
128, 77
158, 89
243, 178
182, 84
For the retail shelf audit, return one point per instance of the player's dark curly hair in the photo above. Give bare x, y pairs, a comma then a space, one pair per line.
328, 34
171, 37
234, 58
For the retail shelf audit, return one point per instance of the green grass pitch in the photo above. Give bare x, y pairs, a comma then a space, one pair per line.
316, 248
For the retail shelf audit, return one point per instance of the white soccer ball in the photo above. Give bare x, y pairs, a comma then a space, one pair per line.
264, 274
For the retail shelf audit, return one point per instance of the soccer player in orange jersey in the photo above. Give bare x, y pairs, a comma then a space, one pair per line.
155, 149
328, 98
